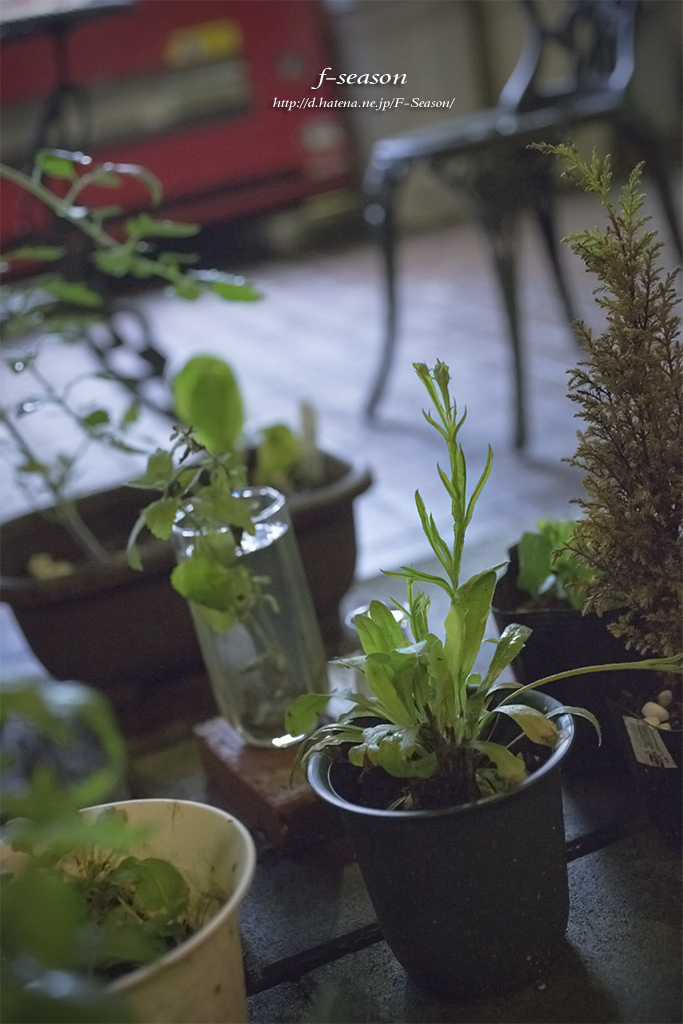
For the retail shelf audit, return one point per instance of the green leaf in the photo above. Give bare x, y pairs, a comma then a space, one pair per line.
116, 262
383, 617
185, 288
508, 647
480, 486
157, 885
69, 291
534, 562
408, 572
372, 637
396, 750
206, 582
379, 674
533, 723
207, 398
581, 713
466, 622
158, 474
96, 418
303, 713
160, 516
276, 457
220, 507
55, 166
509, 767
46, 253
41, 913
234, 290
144, 226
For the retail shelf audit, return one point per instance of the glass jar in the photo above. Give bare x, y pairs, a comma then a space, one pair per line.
274, 652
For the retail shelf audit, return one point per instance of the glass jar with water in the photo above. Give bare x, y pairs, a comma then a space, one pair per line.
273, 652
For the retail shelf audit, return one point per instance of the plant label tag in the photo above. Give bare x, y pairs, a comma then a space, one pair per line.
648, 746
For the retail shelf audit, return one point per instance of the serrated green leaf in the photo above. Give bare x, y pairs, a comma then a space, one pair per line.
158, 474
157, 885
221, 507
160, 516
304, 712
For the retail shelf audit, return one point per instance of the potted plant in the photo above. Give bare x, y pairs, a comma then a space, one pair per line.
541, 588
447, 778
238, 563
144, 892
84, 612
625, 552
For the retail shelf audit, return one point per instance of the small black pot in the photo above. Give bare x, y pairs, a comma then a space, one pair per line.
656, 772
563, 639
472, 900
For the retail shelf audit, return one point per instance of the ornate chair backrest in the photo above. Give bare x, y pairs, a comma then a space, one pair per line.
593, 40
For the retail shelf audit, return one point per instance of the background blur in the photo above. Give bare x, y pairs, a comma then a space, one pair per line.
192, 90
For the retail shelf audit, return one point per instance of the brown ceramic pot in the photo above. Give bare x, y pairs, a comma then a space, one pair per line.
129, 633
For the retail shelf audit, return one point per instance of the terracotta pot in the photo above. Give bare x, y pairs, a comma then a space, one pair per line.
563, 639
472, 900
129, 633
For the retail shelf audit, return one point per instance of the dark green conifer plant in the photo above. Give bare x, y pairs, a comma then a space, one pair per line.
629, 393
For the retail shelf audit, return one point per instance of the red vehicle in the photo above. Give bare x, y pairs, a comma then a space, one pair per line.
191, 90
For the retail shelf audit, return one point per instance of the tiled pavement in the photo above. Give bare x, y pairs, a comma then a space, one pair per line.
316, 336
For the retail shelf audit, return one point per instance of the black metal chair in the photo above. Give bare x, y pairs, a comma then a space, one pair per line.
486, 156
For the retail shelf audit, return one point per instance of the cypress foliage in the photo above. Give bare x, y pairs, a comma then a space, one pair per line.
629, 393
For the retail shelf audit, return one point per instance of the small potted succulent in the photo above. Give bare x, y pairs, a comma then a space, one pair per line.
124, 911
448, 778
624, 554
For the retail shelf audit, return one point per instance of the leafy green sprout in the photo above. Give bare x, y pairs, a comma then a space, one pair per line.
437, 716
549, 568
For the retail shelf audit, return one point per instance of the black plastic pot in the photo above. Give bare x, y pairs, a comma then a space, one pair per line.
655, 760
472, 900
563, 639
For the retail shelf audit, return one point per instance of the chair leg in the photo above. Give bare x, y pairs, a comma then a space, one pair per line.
545, 215
502, 234
385, 229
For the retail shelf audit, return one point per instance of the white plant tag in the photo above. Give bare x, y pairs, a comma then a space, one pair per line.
648, 746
